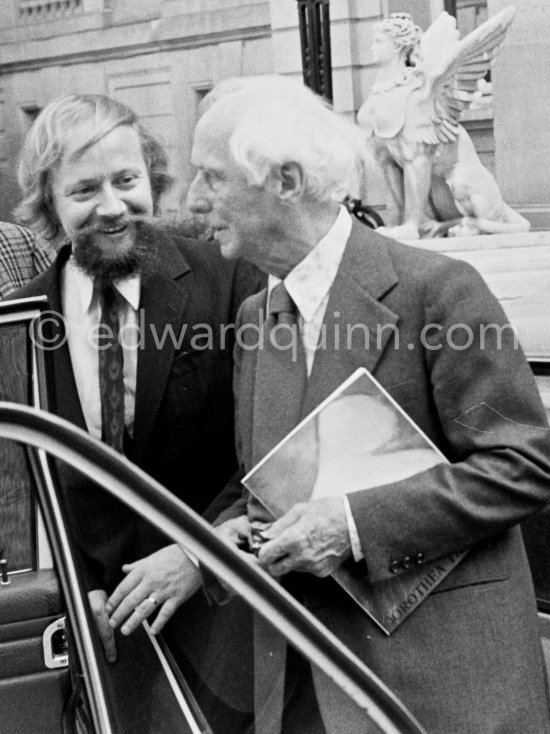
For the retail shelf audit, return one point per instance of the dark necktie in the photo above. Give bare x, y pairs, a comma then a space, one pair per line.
111, 370
281, 375
280, 386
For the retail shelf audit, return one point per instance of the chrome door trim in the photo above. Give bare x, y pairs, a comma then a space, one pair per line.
171, 678
73, 591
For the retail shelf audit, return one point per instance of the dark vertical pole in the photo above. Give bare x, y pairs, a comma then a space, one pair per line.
450, 6
314, 20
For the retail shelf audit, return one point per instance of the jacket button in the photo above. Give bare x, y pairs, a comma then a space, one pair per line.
407, 562
420, 558
395, 567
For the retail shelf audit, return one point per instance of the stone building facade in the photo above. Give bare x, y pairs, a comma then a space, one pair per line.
162, 56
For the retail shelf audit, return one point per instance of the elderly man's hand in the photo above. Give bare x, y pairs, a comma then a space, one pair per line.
163, 580
235, 531
312, 537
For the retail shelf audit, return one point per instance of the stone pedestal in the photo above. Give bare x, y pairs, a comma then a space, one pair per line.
516, 268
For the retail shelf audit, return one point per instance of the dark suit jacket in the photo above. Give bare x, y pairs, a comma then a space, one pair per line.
183, 428
469, 658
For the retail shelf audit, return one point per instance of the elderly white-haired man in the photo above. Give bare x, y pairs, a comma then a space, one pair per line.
272, 164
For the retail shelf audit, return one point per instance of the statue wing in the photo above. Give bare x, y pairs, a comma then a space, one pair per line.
452, 68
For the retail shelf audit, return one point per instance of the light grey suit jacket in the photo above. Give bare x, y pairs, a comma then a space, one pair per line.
468, 660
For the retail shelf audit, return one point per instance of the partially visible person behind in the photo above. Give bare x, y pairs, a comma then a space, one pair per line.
21, 257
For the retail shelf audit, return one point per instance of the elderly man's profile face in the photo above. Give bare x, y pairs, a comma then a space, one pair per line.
97, 193
242, 215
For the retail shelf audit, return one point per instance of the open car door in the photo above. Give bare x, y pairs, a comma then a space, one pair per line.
144, 691
54, 678
34, 666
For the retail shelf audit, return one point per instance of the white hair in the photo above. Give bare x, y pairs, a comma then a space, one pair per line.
278, 120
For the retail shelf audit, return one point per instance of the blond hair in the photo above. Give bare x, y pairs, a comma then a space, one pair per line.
45, 146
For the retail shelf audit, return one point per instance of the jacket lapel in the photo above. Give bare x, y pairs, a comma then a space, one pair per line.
163, 301
354, 333
365, 276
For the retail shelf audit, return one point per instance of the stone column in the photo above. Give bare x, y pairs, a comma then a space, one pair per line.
521, 90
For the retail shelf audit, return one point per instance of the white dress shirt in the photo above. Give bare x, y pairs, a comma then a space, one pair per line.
309, 284
82, 314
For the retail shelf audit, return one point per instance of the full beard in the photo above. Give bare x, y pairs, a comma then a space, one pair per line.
140, 258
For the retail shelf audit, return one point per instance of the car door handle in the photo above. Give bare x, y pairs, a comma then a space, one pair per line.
4, 578
55, 646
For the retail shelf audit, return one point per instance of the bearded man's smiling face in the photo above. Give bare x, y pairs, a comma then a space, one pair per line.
98, 193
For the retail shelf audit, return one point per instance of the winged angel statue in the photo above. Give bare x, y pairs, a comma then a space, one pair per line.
424, 84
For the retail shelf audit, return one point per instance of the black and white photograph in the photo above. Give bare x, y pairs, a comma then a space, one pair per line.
274, 367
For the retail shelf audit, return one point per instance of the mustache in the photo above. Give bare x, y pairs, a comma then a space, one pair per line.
154, 228
109, 267
131, 220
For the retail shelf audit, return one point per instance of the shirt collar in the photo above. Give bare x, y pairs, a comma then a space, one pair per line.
310, 281
129, 288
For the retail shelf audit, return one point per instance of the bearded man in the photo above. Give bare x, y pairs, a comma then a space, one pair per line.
129, 296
